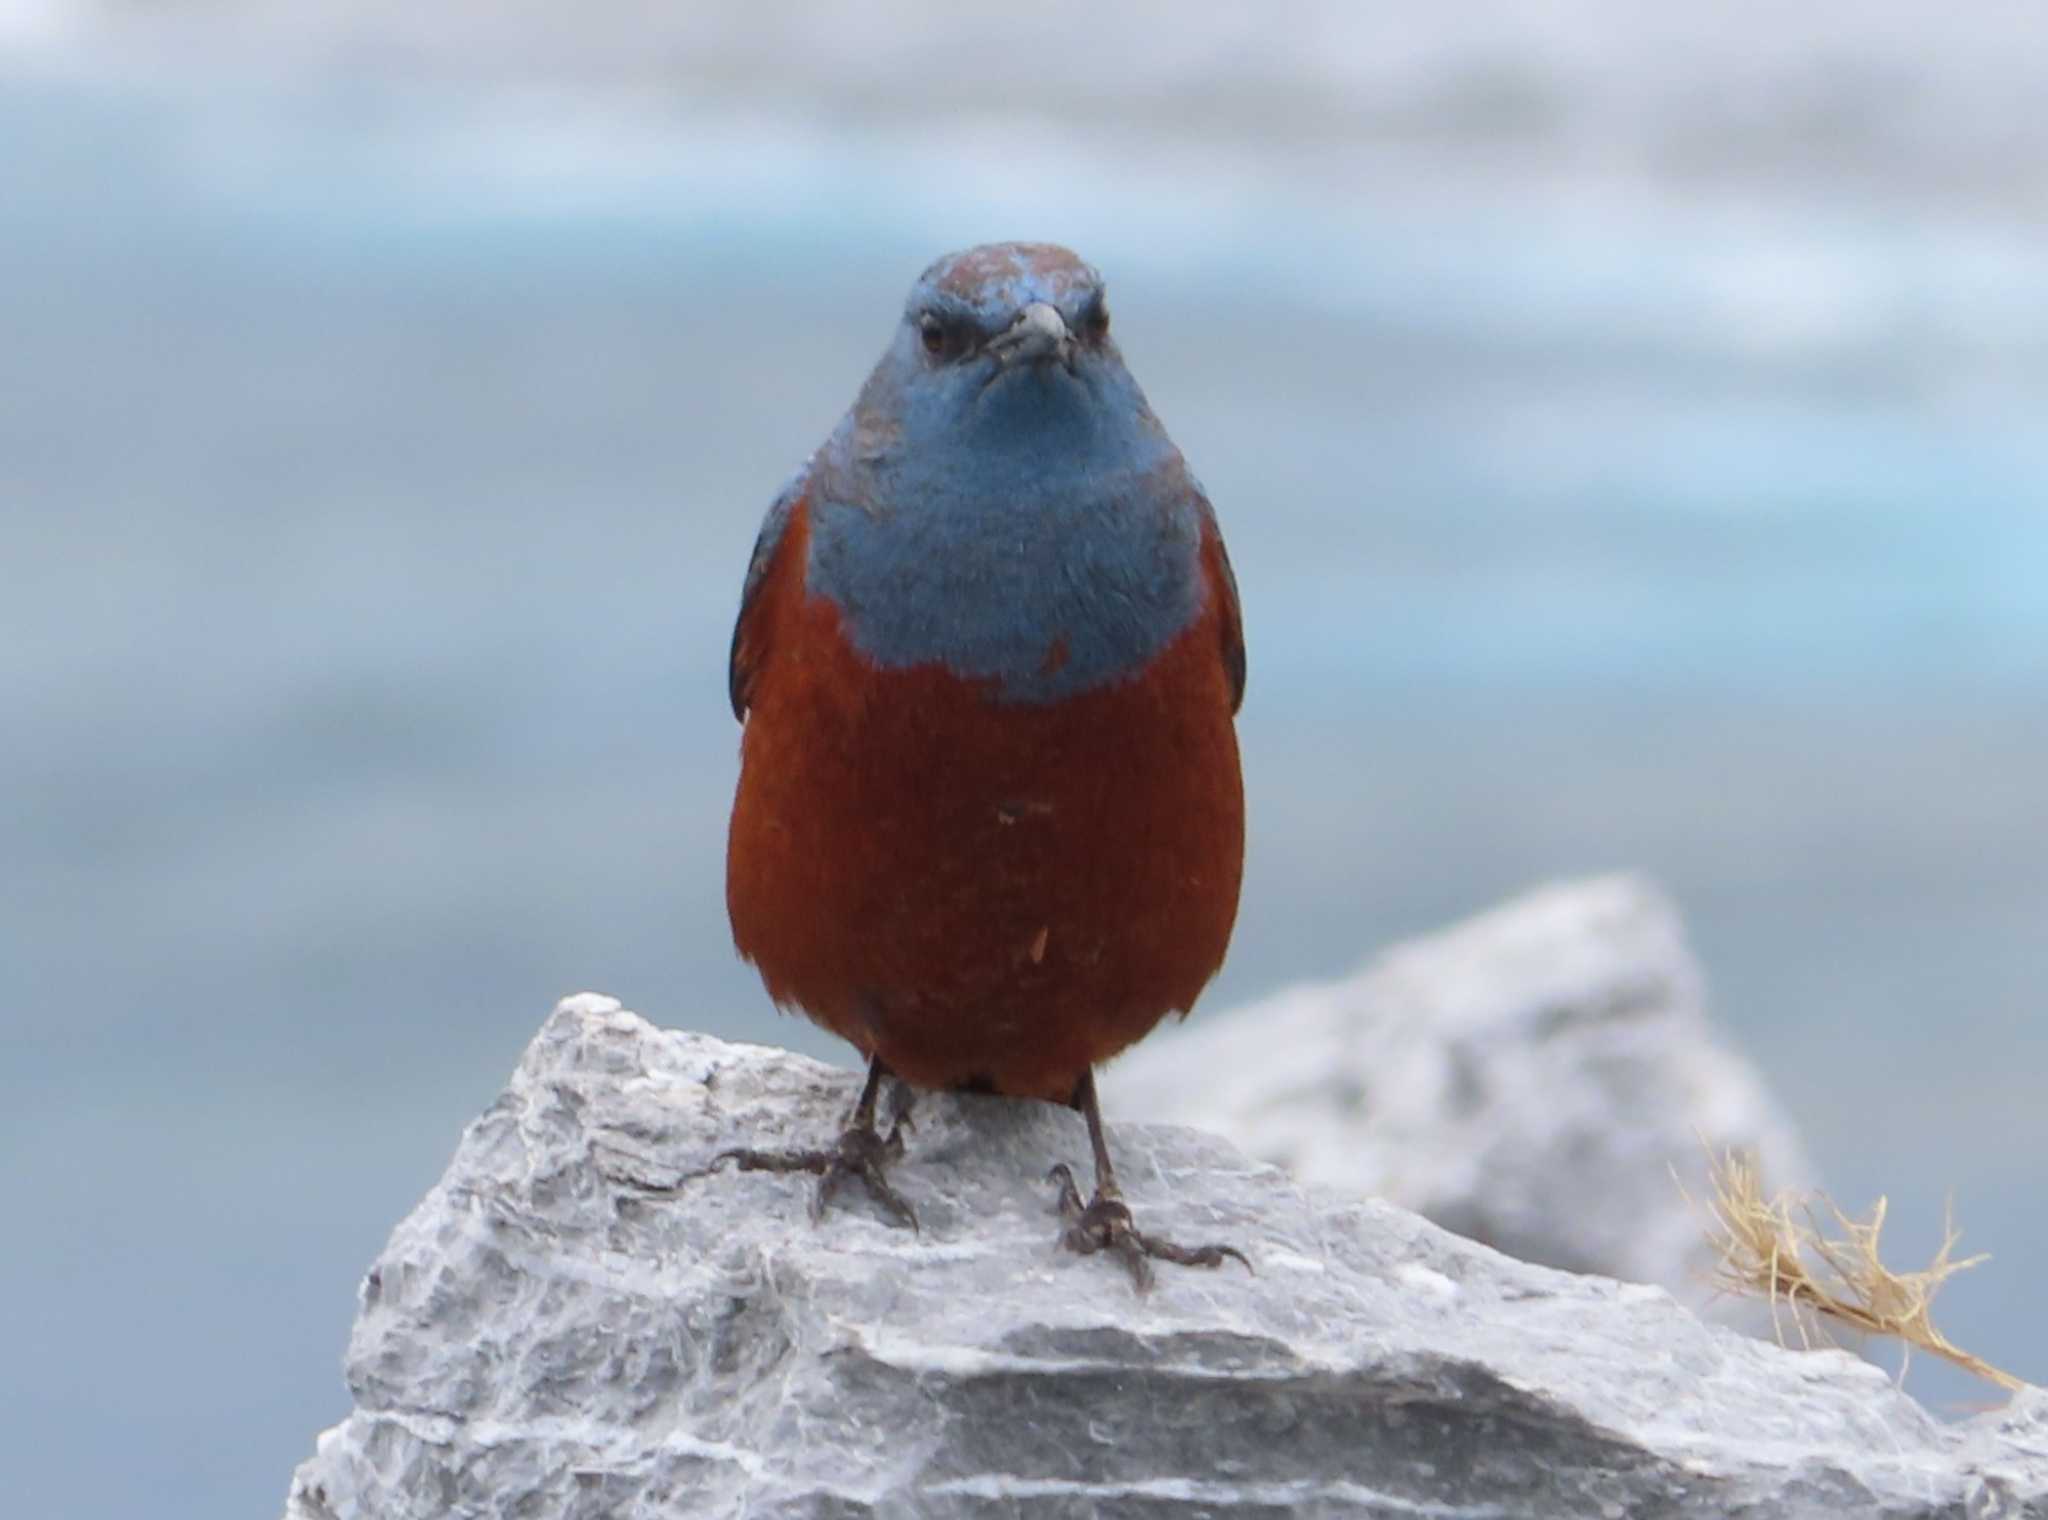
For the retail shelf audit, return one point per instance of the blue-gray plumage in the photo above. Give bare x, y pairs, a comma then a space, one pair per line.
1027, 523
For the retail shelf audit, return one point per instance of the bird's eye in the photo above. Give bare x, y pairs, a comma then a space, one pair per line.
1096, 323
933, 334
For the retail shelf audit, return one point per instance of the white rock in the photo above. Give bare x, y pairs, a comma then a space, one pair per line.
1541, 1079
541, 1338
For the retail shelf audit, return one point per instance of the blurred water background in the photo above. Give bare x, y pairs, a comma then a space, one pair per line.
1627, 422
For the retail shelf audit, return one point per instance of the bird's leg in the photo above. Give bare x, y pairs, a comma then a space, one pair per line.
862, 1152
1104, 1223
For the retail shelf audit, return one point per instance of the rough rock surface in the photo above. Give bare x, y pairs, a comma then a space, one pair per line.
543, 1337
1540, 1079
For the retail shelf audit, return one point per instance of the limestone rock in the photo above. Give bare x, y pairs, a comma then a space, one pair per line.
544, 1336
1541, 1078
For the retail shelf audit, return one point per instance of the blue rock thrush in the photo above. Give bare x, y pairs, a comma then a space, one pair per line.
990, 824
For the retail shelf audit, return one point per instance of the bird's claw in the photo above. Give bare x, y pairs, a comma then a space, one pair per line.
1105, 1224
860, 1153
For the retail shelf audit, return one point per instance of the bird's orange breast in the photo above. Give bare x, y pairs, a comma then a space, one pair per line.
978, 892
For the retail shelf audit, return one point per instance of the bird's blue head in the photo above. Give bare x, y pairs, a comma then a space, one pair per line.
1001, 486
997, 311
1007, 346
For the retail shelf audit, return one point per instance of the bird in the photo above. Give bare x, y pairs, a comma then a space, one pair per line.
989, 824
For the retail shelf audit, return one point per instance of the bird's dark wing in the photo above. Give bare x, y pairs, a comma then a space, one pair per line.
745, 656
1224, 582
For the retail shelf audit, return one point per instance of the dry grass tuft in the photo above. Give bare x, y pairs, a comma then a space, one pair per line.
1780, 1250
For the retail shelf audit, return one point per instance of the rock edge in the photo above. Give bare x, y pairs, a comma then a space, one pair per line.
543, 1336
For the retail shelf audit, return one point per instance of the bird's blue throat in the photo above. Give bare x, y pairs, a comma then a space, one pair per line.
1036, 529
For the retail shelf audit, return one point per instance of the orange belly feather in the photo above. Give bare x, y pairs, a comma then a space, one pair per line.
980, 893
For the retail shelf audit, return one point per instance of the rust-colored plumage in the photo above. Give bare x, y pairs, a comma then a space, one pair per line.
981, 893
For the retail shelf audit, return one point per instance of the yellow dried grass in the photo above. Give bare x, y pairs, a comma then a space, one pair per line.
1777, 1248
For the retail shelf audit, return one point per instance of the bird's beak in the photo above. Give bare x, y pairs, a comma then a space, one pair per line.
1039, 332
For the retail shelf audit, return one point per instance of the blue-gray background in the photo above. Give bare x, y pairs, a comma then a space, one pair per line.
1627, 425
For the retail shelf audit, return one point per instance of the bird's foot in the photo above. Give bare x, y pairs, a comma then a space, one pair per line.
861, 1153
1104, 1224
